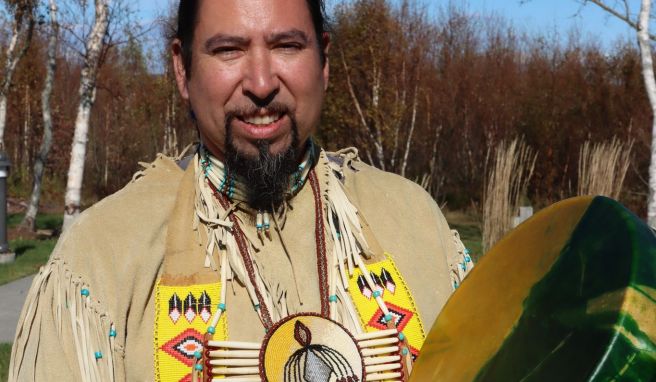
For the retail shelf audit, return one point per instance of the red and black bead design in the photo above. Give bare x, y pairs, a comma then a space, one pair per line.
175, 308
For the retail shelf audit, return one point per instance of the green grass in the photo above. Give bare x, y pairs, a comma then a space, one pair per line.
5, 353
31, 254
43, 221
470, 231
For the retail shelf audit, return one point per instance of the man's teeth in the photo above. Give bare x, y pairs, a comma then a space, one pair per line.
265, 120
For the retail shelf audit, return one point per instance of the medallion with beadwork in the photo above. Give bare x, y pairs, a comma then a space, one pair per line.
309, 347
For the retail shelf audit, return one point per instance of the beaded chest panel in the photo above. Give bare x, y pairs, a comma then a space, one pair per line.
181, 318
397, 297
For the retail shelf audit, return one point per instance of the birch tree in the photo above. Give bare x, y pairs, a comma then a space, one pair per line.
640, 22
22, 26
46, 142
382, 53
95, 44
650, 85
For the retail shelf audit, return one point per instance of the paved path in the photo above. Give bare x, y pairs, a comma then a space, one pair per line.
12, 296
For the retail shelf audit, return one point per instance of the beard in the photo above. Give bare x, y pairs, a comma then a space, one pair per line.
266, 175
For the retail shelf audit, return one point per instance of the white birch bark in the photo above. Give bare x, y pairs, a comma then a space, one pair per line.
376, 140
650, 86
29, 221
12, 57
408, 142
375, 102
87, 92
27, 124
400, 104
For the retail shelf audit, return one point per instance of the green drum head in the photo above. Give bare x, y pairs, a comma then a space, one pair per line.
570, 295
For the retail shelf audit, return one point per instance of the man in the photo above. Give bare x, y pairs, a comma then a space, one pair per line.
259, 229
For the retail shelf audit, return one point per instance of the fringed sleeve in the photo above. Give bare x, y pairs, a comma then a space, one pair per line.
63, 333
460, 263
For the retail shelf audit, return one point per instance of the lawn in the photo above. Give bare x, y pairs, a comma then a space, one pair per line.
5, 353
468, 225
31, 254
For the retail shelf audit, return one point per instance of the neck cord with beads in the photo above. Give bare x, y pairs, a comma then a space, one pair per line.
228, 184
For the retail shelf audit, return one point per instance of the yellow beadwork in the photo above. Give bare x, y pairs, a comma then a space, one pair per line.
413, 328
169, 367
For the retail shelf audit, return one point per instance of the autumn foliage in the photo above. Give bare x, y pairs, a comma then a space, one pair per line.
425, 94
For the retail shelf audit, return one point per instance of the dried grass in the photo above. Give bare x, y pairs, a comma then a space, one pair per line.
603, 167
507, 181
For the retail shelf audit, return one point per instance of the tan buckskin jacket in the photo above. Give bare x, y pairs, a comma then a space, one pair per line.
90, 312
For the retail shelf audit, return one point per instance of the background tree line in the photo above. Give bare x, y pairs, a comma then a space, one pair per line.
426, 97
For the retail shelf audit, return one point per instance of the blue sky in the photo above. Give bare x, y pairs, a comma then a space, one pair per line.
533, 16
560, 15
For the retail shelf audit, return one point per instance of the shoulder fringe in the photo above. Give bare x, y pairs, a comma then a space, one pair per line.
70, 305
462, 264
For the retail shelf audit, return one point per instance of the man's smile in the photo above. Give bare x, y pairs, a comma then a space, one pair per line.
262, 127
262, 120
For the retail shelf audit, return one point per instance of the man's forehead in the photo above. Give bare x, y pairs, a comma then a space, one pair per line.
244, 17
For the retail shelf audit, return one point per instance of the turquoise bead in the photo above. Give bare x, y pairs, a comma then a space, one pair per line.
222, 306
198, 367
256, 306
404, 351
467, 251
98, 355
198, 355
401, 336
376, 293
388, 317
333, 298
84, 292
211, 330
112, 333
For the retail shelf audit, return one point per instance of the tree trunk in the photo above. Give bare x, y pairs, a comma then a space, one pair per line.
12, 58
375, 99
374, 137
27, 124
650, 86
29, 221
408, 142
87, 94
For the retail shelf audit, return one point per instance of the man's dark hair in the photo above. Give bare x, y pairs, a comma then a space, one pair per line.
188, 16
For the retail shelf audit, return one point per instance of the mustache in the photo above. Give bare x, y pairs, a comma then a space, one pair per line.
242, 112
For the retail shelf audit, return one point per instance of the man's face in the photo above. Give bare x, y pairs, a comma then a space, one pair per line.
256, 67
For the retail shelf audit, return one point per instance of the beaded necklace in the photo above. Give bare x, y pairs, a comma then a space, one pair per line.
226, 183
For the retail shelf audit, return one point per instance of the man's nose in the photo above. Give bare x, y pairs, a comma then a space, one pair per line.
261, 82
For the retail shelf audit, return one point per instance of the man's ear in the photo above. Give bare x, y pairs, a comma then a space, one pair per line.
179, 69
326, 64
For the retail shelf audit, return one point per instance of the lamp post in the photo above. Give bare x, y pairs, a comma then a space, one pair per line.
6, 255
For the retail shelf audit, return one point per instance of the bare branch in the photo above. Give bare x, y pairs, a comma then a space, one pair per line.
625, 17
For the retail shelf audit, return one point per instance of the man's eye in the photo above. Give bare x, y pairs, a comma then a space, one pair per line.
289, 46
226, 51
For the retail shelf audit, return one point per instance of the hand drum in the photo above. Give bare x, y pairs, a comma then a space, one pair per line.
570, 295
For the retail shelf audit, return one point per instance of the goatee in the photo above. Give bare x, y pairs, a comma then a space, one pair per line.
266, 176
